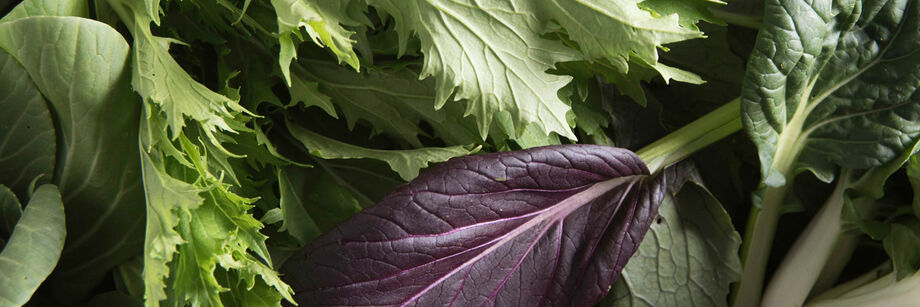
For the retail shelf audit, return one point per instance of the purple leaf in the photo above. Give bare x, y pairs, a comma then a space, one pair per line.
545, 226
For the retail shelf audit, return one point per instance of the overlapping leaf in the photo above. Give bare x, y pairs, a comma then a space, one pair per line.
96, 172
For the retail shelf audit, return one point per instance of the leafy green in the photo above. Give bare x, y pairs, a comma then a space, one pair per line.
323, 21
34, 247
689, 257
490, 54
27, 145
406, 163
96, 121
841, 94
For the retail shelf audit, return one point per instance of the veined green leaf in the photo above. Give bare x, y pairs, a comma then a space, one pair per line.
688, 258
833, 84
405, 162
98, 171
490, 54
27, 140
34, 248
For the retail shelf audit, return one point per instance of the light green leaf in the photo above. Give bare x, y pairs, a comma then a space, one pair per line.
98, 169
27, 8
689, 257
405, 162
690, 12
842, 93
628, 31
167, 199
27, 140
34, 248
490, 54
323, 21
913, 173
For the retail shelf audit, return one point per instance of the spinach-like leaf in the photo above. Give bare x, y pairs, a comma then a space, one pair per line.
833, 83
34, 248
548, 225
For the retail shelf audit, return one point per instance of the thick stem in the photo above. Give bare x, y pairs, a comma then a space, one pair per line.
802, 265
761, 227
840, 257
689, 139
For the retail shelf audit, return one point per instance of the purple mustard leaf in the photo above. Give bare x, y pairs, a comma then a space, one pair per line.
546, 226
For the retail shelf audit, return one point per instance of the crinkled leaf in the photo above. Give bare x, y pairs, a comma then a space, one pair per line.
550, 225
27, 140
405, 162
490, 54
34, 248
98, 169
689, 257
323, 21
689, 12
616, 31
167, 199
832, 84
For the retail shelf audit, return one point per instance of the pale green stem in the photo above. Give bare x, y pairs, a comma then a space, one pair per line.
855, 283
689, 139
797, 273
840, 257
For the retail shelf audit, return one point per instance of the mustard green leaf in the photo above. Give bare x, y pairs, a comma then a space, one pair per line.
405, 162
490, 54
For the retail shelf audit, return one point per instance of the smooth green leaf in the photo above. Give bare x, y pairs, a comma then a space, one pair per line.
34, 248
27, 140
901, 245
98, 169
490, 54
913, 173
832, 84
405, 162
688, 258
296, 220
10, 211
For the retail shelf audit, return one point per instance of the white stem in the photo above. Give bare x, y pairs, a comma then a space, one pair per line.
797, 273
